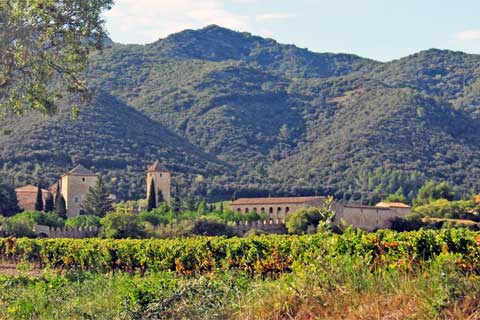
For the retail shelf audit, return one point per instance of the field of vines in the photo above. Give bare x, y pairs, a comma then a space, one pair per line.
267, 256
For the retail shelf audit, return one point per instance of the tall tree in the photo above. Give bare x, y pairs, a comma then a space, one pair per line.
97, 201
8, 200
49, 204
46, 41
160, 198
39, 200
151, 201
61, 207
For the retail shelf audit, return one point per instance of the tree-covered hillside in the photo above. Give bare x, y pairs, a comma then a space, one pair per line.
250, 114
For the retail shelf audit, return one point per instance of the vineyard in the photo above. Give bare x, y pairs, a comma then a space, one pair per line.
426, 274
267, 256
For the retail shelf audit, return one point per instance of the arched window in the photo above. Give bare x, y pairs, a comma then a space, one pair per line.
270, 210
262, 210
287, 210
255, 210
246, 210
239, 210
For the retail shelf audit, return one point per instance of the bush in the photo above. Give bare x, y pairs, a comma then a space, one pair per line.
306, 220
18, 226
153, 217
122, 225
83, 221
211, 227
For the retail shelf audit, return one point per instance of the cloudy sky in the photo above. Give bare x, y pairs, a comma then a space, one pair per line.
377, 29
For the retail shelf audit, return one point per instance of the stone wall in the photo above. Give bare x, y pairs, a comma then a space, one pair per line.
366, 217
277, 227
65, 232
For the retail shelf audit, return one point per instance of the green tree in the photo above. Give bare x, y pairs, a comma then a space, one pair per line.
61, 207
397, 197
8, 200
432, 191
39, 200
151, 201
160, 198
97, 201
306, 220
122, 225
202, 207
46, 41
49, 204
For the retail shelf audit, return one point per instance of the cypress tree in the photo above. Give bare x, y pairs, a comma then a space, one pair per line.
151, 201
39, 200
49, 205
160, 198
8, 200
221, 206
61, 207
57, 194
97, 201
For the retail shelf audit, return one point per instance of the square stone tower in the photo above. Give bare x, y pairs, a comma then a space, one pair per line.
74, 187
161, 178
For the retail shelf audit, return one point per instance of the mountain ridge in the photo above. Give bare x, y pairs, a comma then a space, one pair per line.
268, 118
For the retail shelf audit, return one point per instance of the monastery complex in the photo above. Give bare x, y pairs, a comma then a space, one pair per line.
74, 185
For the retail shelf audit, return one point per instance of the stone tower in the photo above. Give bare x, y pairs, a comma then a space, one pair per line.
161, 177
74, 186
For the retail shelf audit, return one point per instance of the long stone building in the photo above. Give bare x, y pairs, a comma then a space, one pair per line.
276, 208
27, 196
365, 217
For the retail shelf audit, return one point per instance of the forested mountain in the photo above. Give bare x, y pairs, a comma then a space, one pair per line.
253, 115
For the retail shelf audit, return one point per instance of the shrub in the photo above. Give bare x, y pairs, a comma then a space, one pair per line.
122, 225
83, 221
211, 227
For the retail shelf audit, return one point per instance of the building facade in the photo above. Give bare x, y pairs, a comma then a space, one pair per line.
276, 208
368, 218
74, 186
161, 179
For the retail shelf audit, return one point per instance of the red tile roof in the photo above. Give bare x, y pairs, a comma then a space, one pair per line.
385, 204
280, 200
80, 170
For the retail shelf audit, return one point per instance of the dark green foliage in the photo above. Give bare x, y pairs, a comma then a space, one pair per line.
211, 227
8, 200
122, 225
61, 207
251, 115
160, 198
151, 201
432, 190
97, 201
83, 221
46, 41
49, 204
39, 200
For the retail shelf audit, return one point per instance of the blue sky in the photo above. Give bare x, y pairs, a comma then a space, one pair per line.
379, 29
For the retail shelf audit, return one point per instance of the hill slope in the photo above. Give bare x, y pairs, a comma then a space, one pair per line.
249, 113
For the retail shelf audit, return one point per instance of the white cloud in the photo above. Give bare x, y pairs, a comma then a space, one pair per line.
473, 34
273, 16
144, 21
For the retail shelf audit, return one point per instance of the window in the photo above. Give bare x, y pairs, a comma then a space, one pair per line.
83, 179
76, 199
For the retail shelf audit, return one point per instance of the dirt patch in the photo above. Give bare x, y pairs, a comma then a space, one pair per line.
19, 269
